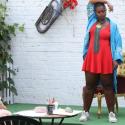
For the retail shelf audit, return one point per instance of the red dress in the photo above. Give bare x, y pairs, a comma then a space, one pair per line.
100, 62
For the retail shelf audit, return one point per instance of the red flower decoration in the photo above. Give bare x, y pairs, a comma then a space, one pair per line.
65, 5
70, 3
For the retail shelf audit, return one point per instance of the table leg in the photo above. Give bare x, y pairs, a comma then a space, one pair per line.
40, 121
52, 123
61, 121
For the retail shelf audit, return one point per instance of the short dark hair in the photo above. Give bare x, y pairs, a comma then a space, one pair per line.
98, 4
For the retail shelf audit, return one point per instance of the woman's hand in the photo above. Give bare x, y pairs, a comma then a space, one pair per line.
115, 64
110, 6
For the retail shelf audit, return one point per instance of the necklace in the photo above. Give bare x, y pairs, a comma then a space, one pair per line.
100, 24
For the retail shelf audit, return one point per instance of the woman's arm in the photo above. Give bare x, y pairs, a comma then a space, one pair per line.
103, 1
95, 1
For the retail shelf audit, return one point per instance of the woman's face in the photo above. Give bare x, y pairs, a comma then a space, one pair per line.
101, 12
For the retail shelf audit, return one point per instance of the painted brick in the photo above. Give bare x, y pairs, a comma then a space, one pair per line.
49, 65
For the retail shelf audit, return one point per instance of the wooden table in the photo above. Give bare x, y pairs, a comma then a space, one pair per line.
40, 116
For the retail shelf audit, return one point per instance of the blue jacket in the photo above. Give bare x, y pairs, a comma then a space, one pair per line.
115, 39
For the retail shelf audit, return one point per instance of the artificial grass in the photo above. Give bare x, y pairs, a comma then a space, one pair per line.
75, 120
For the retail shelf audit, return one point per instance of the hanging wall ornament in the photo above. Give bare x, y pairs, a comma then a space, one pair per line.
52, 12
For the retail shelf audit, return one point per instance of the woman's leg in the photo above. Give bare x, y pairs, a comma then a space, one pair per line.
107, 82
91, 82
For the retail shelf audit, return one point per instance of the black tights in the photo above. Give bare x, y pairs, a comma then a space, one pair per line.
92, 80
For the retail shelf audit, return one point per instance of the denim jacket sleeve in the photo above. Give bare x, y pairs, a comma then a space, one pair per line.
118, 46
91, 20
90, 10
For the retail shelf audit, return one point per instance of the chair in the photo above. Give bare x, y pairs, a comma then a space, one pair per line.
17, 120
120, 80
99, 93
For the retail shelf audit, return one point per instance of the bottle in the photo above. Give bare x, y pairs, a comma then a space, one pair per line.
56, 104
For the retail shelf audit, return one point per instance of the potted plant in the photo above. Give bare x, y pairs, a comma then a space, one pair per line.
6, 33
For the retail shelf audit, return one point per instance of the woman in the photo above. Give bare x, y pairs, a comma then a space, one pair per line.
3, 109
101, 54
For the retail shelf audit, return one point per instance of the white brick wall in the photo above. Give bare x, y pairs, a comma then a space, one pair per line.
50, 64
